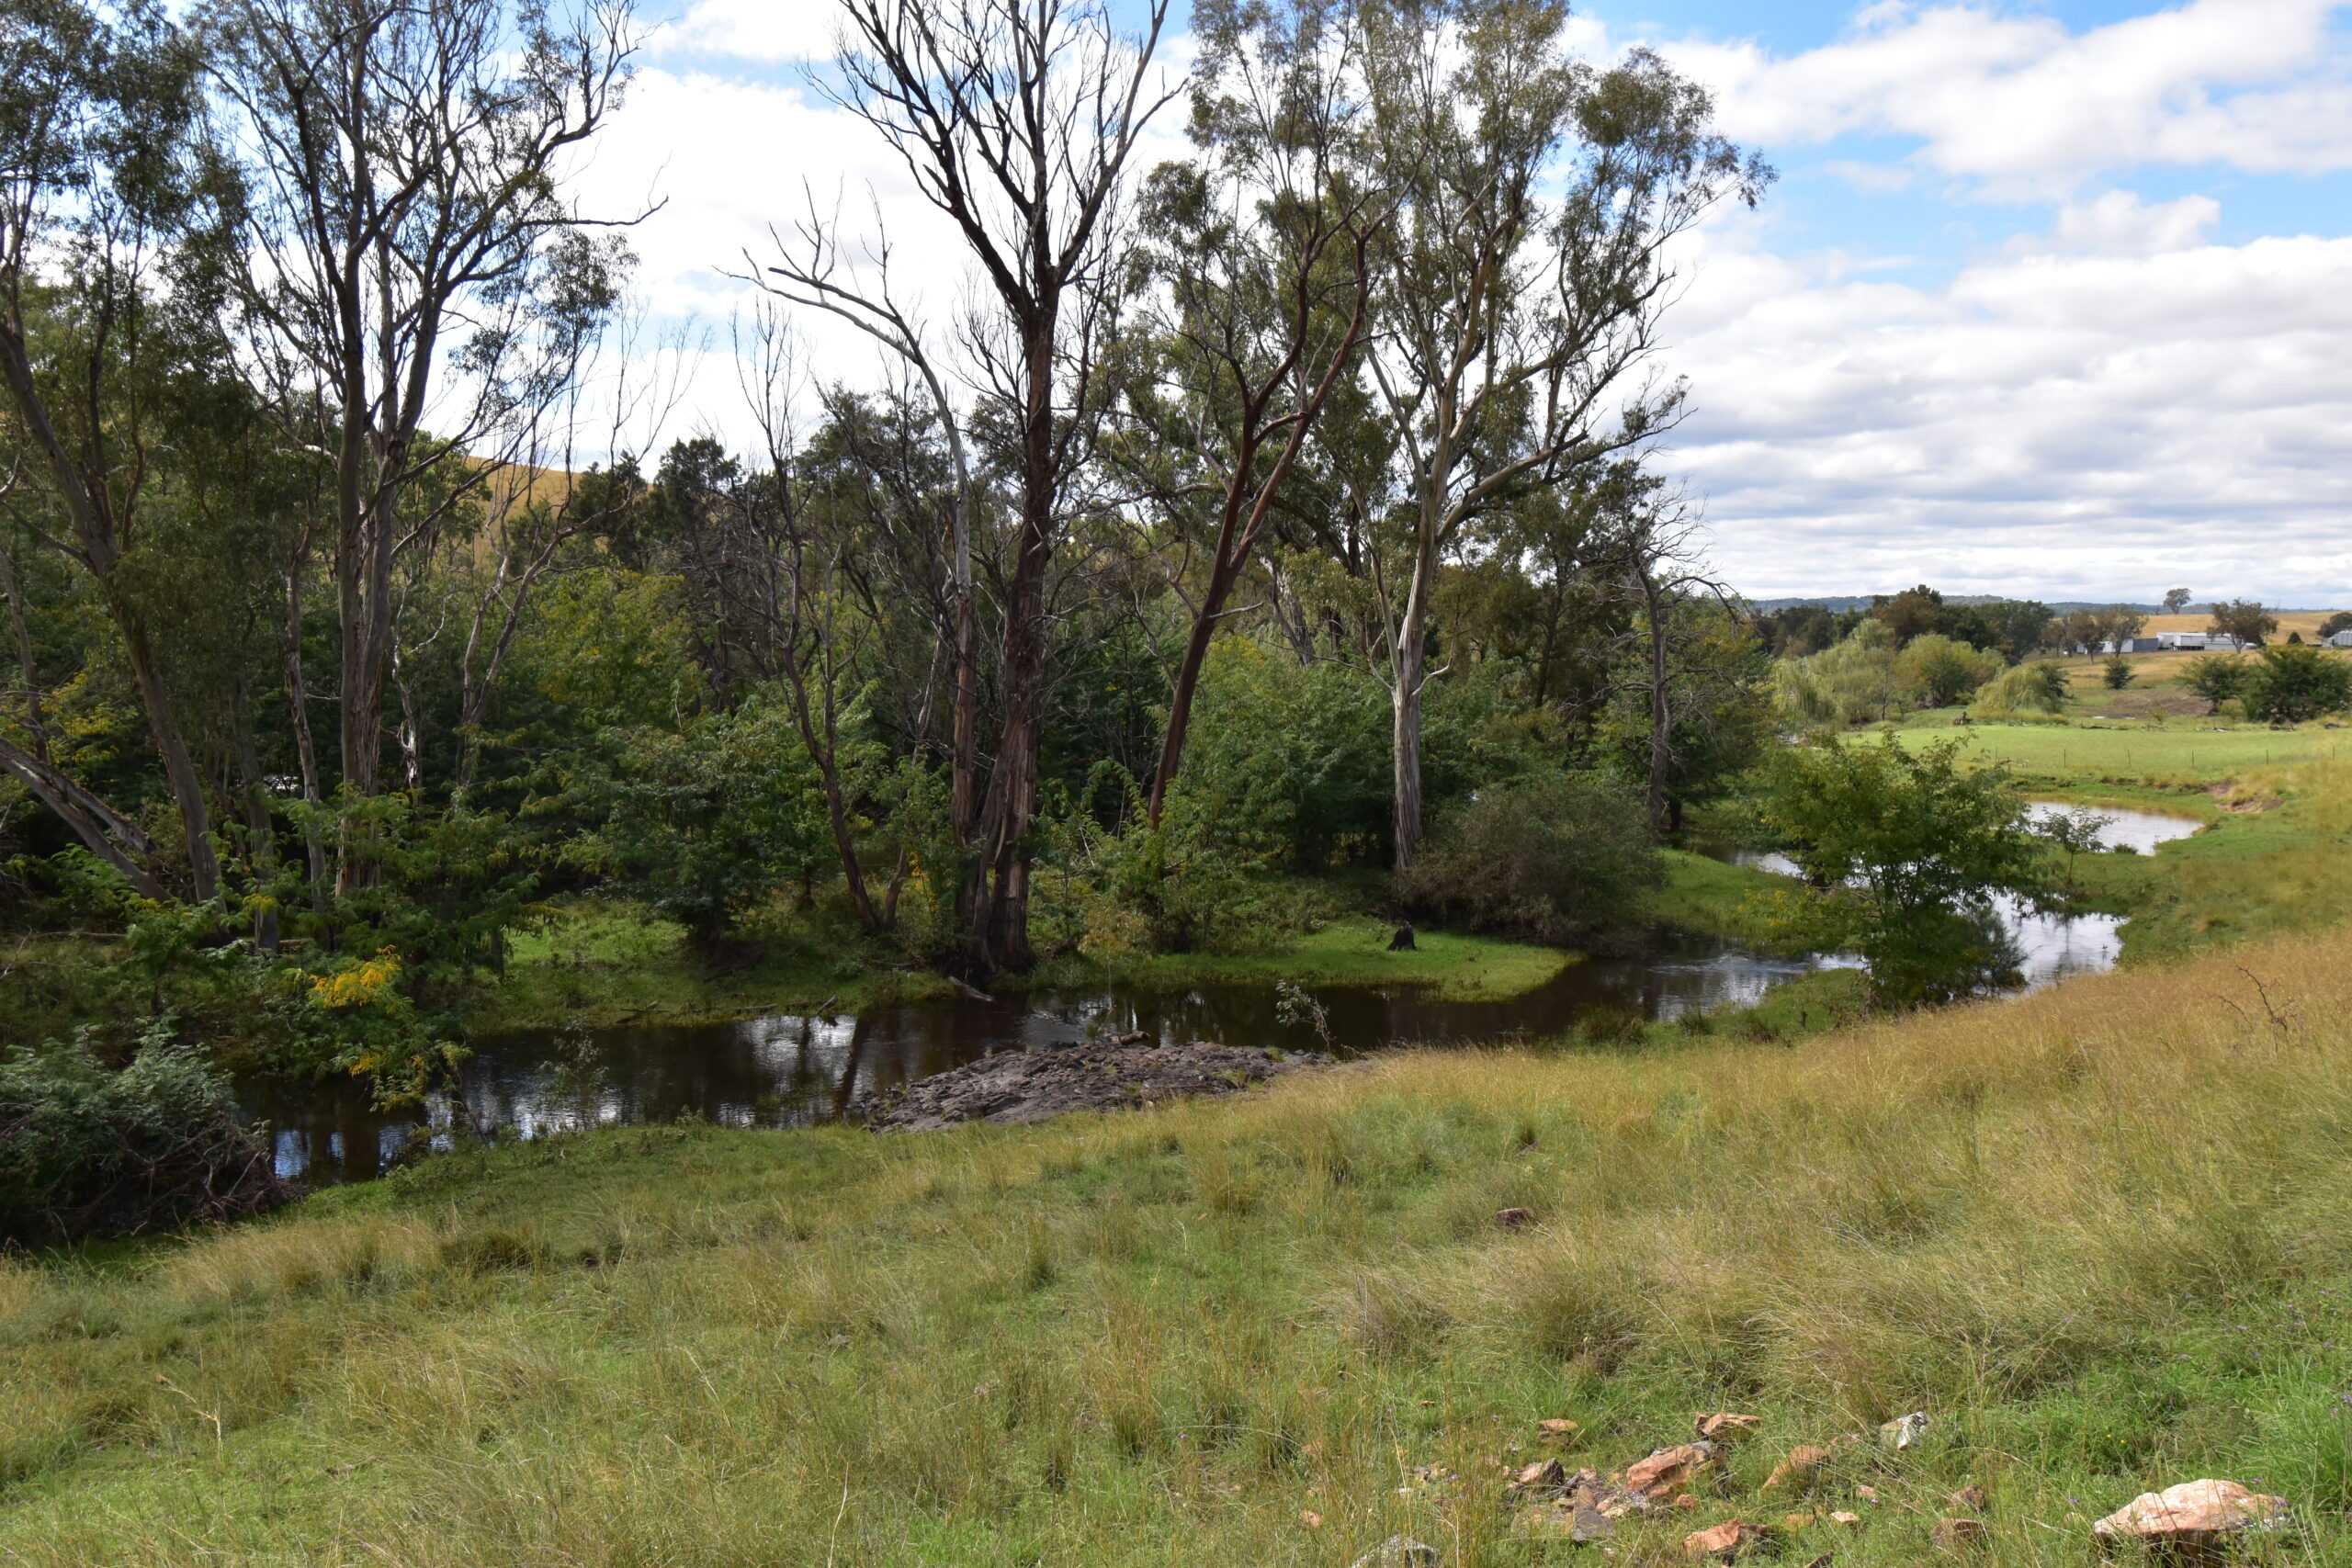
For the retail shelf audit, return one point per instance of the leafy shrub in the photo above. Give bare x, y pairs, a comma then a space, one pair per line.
1937, 672
89, 1152
2029, 690
2116, 672
2217, 678
1854, 682
1903, 853
1552, 856
2292, 684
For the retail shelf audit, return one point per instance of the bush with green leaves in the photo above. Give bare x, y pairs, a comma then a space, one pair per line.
2217, 678
1904, 852
2293, 685
1555, 856
1854, 682
2116, 672
90, 1151
2029, 690
1937, 671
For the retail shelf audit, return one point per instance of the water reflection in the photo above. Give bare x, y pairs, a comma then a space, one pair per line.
795, 1069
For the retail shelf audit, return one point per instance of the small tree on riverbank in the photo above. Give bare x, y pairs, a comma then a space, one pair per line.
1904, 852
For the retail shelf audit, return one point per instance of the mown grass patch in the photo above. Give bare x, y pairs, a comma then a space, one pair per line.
2095, 1233
1350, 951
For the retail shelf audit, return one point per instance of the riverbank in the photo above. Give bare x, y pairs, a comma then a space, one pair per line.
2093, 1233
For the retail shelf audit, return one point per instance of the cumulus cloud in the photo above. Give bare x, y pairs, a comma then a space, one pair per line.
2061, 421
770, 31
2012, 99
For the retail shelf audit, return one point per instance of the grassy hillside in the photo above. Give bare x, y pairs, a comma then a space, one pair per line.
2097, 1233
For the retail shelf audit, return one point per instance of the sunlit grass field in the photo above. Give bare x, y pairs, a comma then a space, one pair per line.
2098, 1234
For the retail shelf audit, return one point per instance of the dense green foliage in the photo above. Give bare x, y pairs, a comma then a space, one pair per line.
2291, 686
1556, 857
90, 1150
2037, 688
1904, 849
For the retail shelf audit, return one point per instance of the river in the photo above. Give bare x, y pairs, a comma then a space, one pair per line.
793, 1069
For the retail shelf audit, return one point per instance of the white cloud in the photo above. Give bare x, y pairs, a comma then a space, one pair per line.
2118, 221
2065, 422
771, 31
2010, 98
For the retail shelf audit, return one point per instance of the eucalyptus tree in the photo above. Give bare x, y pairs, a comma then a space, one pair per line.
104, 198
406, 231
1017, 121
1259, 268
1518, 308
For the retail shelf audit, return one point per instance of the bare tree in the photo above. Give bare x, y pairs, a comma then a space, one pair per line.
811, 272
1016, 119
1514, 323
406, 227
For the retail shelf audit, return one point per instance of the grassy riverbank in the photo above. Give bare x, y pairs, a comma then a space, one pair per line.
2097, 1233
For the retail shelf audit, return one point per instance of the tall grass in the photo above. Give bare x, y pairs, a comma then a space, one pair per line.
2098, 1233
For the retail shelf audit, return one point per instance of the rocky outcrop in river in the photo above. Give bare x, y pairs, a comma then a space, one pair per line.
1114, 1075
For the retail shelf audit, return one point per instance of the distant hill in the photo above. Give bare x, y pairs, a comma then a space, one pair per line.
1837, 603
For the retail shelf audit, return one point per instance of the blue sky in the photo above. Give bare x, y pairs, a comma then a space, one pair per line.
2050, 298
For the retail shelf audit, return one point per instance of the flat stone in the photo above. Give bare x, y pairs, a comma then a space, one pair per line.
1726, 1542
1544, 1474
1669, 1470
1726, 1426
2194, 1514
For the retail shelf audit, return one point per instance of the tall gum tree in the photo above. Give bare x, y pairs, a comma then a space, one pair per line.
1017, 120
1517, 309
406, 218
102, 194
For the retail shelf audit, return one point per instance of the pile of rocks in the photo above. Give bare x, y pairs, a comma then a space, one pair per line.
1119, 1073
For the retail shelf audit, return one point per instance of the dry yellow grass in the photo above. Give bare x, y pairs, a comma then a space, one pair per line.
2303, 621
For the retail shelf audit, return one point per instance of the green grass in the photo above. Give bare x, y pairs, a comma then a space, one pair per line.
2097, 1233
1709, 896
1351, 951
595, 963
2177, 753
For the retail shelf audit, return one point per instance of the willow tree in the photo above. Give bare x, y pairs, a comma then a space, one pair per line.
1517, 311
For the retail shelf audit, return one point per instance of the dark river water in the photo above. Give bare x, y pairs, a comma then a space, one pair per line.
793, 1069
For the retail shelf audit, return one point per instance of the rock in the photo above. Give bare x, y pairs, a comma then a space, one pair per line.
1028, 1086
1968, 1499
1559, 1427
1723, 1426
1131, 1037
1904, 1431
1726, 1542
2196, 1517
1403, 941
1400, 1551
1544, 1474
1797, 1469
1844, 1518
1668, 1470
1511, 1219
1959, 1535
1867, 1494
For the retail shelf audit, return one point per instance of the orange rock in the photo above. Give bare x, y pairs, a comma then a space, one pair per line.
1723, 1426
1726, 1542
1844, 1518
1798, 1469
1968, 1499
1559, 1427
1867, 1494
1668, 1470
2194, 1515
1544, 1473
